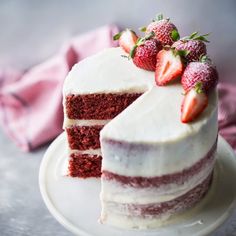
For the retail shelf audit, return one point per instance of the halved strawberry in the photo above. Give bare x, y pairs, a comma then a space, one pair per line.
127, 39
193, 105
169, 67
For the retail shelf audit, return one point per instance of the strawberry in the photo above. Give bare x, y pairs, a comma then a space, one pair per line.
194, 103
193, 46
165, 31
127, 39
203, 72
145, 51
168, 67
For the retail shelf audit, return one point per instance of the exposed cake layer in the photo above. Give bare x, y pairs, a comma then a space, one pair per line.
123, 189
95, 91
143, 216
84, 137
97, 106
84, 165
168, 147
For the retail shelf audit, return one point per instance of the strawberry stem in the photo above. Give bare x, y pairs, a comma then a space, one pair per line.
132, 51
195, 36
159, 17
205, 59
117, 36
198, 87
175, 35
143, 29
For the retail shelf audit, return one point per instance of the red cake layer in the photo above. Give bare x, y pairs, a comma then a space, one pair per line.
85, 165
97, 106
177, 205
84, 137
179, 177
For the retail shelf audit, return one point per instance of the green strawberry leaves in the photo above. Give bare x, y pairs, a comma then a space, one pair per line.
205, 59
139, 42
159, 17
195, 36
117, 36
132, 51
143, 29
175, 35
198, 87
182, 53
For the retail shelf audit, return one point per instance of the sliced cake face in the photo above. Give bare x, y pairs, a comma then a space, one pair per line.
153, 164
95, 91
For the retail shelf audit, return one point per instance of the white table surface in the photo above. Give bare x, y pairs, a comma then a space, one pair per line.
32, 31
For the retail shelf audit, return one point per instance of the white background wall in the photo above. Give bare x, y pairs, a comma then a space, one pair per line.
32, 30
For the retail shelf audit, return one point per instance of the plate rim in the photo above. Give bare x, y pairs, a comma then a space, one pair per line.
77, 231
43, 190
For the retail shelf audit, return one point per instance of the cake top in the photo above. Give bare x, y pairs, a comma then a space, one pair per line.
107, 72
155, 117
161, 49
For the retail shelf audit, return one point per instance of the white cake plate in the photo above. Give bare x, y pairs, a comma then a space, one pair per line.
75, 202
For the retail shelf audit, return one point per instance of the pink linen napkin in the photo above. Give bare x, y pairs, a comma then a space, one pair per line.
31, 102
227, 112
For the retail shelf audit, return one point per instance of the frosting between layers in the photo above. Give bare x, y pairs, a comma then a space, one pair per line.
72, 122
89, 151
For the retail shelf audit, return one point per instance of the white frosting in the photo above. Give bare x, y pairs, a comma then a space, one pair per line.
168, 145
107, 72
113, 191
89, 151
72, 122
158, 111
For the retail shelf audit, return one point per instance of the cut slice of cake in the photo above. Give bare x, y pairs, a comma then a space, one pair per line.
155, 166
95, 91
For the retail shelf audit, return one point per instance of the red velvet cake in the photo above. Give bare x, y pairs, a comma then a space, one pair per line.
153, 145
161, 168
95, 91
159, 153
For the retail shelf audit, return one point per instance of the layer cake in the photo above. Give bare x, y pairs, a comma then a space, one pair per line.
155, 166
94, 92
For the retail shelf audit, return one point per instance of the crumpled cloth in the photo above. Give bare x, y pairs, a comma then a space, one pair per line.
31, 101
31, 110
227, 112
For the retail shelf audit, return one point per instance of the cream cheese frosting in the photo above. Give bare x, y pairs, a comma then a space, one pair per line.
107, 72
158, 111
148, 138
